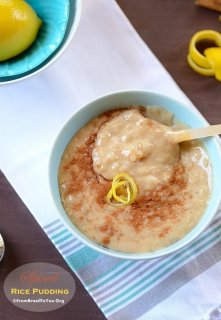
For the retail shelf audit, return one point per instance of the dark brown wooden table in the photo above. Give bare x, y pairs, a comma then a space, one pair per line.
166, 26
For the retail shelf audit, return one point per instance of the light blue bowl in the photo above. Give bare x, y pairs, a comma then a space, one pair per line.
60, 19
127, 98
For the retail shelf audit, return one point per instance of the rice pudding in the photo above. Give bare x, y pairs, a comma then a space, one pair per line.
173, 180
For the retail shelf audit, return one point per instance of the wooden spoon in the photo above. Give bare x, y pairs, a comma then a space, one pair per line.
190, 134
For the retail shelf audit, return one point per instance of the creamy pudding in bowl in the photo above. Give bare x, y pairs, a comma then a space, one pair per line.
122, 187
173, 180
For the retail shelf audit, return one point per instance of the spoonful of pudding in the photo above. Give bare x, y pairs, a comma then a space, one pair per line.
190, 134
144, 148
133, 144
132, 147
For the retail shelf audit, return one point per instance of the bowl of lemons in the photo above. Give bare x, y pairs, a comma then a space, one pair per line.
33, 34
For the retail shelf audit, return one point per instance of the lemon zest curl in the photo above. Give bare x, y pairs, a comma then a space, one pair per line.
123, 190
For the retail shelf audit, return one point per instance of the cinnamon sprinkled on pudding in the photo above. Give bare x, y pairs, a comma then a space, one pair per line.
161, 204
173, 190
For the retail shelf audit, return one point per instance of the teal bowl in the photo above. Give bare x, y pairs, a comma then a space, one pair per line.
182, 113
60, 20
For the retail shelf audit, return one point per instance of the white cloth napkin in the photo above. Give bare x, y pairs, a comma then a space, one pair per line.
105, 55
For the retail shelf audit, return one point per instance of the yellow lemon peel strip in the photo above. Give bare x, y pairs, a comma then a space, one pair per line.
197, 68
207, 64
123, 190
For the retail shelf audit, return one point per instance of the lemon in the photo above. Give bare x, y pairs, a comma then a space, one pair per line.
19, 26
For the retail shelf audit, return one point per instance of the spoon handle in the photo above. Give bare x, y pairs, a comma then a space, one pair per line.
190, 134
